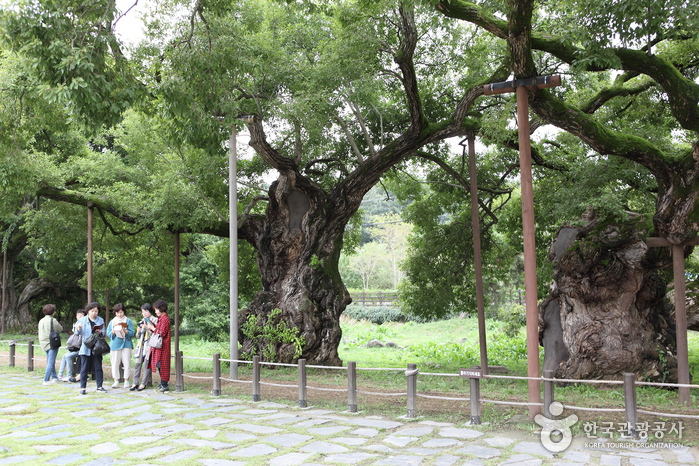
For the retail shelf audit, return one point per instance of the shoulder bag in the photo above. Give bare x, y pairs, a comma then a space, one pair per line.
74, 342
101, 346
54, 337
155, 341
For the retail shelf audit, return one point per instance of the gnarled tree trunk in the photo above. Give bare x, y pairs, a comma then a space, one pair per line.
298, 243
607, 312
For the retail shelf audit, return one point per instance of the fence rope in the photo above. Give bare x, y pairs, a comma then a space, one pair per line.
382, 394
327, 389
652, 413
433, 397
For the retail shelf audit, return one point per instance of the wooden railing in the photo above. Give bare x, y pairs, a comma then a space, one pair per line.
381, 298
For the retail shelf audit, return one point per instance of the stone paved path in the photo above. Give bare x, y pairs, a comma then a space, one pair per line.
54, 425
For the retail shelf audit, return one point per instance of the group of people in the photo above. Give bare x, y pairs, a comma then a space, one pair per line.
121, 332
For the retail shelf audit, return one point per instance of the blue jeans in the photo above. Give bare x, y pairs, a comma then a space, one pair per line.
67, 364
51, 364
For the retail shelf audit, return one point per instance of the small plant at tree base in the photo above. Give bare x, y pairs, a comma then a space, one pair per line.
266, 338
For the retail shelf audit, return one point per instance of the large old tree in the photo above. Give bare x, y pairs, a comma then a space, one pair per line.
338, 96
630, 91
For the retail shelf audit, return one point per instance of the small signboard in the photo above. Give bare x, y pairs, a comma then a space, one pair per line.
471, 373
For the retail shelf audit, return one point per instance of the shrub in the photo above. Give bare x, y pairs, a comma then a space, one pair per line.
376, 314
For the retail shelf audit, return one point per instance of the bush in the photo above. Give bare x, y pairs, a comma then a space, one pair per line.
376, 314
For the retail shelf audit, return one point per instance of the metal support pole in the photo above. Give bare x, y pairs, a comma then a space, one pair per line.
548, 393
177, 292
217, 375
233, 250
4, 294
681, 323
475, 389
630, 403
530, 292
411, 376
352, 386
30, 356
477, 261
302, 383
179, 371
13, 348
255, 378
89, 251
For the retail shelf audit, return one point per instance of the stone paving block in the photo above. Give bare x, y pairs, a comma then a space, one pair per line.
415, 431
446, 460
577, 456
258, 412
532, 448
144, 426
379, 448
217, 421
441, 443
86, 437
150, 452
399, 441
349, 458
499, 441
18, 459
105, 448
284, 420
289, 459
460, 433
178, 457
259, 449
365, 432
423, 451
312, 422
19, 433
330, 430
288, 440
139, 439
402, 460
207, 433
323, 447
238, 437
258, 429
271, 404
609, 460
66, 459
523, 459
647, 462
54, 436
479, 451
201, 443
350, 440
171, 429
15, 408
218, 462
195, 414
437, 423
684, 456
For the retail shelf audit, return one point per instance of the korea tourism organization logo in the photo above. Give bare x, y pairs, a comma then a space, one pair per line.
556, 435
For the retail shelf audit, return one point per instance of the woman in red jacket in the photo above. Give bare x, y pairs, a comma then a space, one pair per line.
160, 357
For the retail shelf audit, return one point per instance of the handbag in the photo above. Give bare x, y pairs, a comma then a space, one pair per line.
54, 337
155, 341
74, 342
91, 340
101, 346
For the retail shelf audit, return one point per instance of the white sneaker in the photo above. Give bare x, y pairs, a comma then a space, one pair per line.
55, 380
115, 384
46, 383
127, 385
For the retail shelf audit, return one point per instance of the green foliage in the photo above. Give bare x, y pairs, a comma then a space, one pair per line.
265, 338
376, 315
513, 317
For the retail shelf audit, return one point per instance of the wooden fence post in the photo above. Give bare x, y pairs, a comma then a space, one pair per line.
475, 388
630, 403
302, 383
30, 356
217, 375
548, 393
13, 345
255, 378
411, 375
179, 371
352, 386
